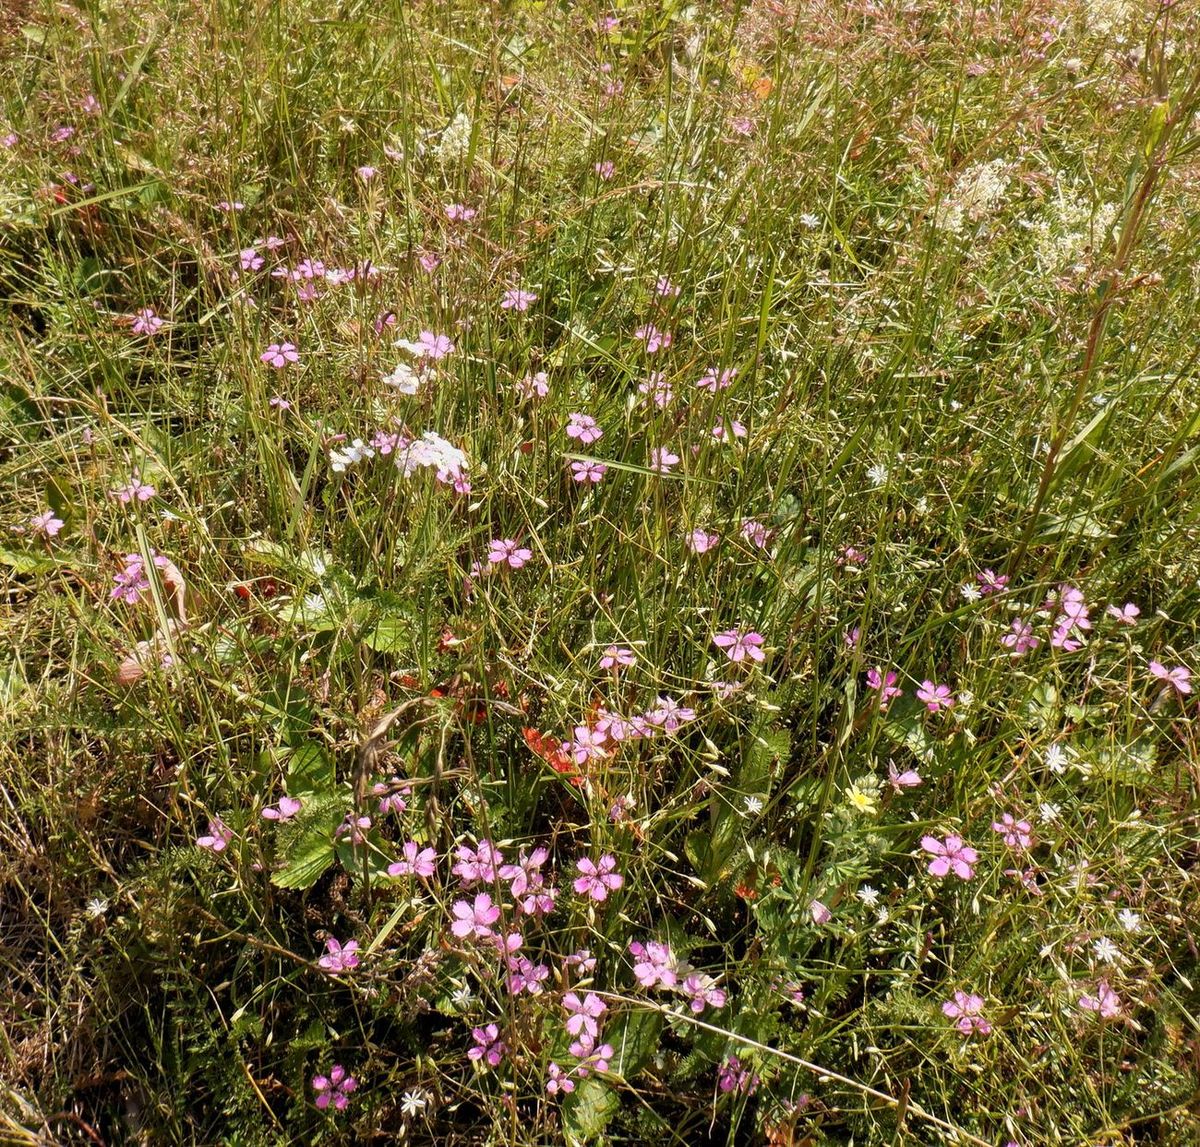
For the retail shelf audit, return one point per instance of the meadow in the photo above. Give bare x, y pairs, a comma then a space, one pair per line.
600, 574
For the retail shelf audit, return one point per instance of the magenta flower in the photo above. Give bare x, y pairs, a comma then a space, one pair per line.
477, 865
1126, 614
654, 964
584, 427
588, 471
131, 582
1071, 621
526, 976
936, 697
654, 339
617, 657
909, 779
1105, 1003
1178, 676
661, 459
284, 810
145, 322
135, 491
587, 745
583, 1016
657, 389
460, 213
597, 879
516, 299
965, 1009
738, 645
353, 828
668, 714
335, 1089
1020, 639
715, 379
703, 991
489, 1048
1015, 833
756, 533
558, 1080
604, 169
417, 861
218, 838
507, 551
950, 855
733, 1076
339, 957
701, 541
991, 582
526, 873
45, 524
278, 355
474, 920
885, 686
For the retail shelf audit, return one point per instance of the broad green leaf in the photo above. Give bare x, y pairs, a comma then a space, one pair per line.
309, 770
307, 843
587, 1111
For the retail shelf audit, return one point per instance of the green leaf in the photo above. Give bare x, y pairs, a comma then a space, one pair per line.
635, 1040
587, 1111
309, 770
25, 563
390, 634
308, 843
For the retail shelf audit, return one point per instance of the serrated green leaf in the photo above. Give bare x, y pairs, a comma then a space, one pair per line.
25, 563
587, 1111
390, 634
307, 843
309, 770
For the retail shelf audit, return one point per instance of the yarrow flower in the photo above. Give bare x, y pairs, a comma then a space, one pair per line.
339, 957
950, 855
336, 1088
597, 878
739, 645
965, 1008
278, 355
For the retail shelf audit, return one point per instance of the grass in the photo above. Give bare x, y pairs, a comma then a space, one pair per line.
946, 255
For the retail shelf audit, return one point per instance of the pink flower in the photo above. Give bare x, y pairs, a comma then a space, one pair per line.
250, 259
597, 879
617, 657
515, 299
909, 779
218, 837
1105, 1003
657, 389
703, 991
584, 427
132, 581
885, 685
435, 346
756, 533
558, 1080
732, 1076
534, 385
506, 551
950, 855
604, 169
1020, 639
278, 355
700, 541
460, 213
661, 459
584, 471
278, 403
366, 173
135, 491
145, 322
477, 865
742, 125
1015, 833
284, 810
654, 964
965, 1009
936, 697
1179, 676
665, 289
474, 920
738, 645
735, 429
335, 1089
417, 861
583, 1015
654, 339
1126, 614
45, 524
430, 261
819, 912
668, 714
714, 379
526, 873
991, 582
489, 1047
339, 957
587, 745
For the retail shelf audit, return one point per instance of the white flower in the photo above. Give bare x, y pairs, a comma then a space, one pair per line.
412, 1103
1048, 813
1055, 758
1129, 920
1106, 952
462, 997
810, 220
403, 378
456, 139
878, 474
432, 450
882, 916
96, 907
349, 455
970, 591
753, 805
868, 895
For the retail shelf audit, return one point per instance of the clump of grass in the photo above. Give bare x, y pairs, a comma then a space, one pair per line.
580, 576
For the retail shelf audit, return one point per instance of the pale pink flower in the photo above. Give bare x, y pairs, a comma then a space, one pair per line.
460, 213
435, 346
950, 855
665, 289
474, 920
819, 912
135, 491
909, 779
604, 169
45, 524
534, 385
965, 1009
516, 299
508, 551
284, 810
1105, 1003
278, 355
756, 533
218, 838
585, 471
935, 697
739, 645
584, 428
1015, 833
1020, 639
597, 879
657, 389
661, 459
1178, 676
617, 657
1126, 614
715, 379
588, 745
700, 541
654, 339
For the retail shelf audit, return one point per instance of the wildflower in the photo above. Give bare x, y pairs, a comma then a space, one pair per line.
146, 322
459, 213
435, 346
1055, 758
516, 299
506, 551
1105, 1003
1129, 920
661, 459
357, 451
278, 403
755, 533
738, 645
366, 172
862, 796
752, 805
701, 541
965, 1009
744, 125
391, 797
732, 1076
991, 582
403, 378
135, 491
525, 872
587, 745
715, 379
534, 385
46, 524
584, 471
591, 1058
1020, 639
908, 779
132, 581
655, 965
583, 960
1071, 621
584, 428
583, 1016
412, 1103
455, 140
819, 912
474, 920
353, 828
877, 474
657, 389
868, 895
278, 355
1027, 877
597, 879
335, 1089
488, 1045
96, 907
218, 838
1126, 614
1048, 812
970, 592
1178, 677
654, 339
1105, 951
284, 810
1015, 833
614, 726
703, 991
668, 714
339, 957
417, 861
429, 261
559, 1080
735, 429
936, 697
604, 169
477, 865
950, 855
885, 685
665, 289
617, 657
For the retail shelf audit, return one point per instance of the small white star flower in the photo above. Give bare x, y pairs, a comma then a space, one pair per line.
1129, 920
970, 591
412, 1103
753, 805
1106, 952
878, 474
1048, 812
868, 895
1055, 758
